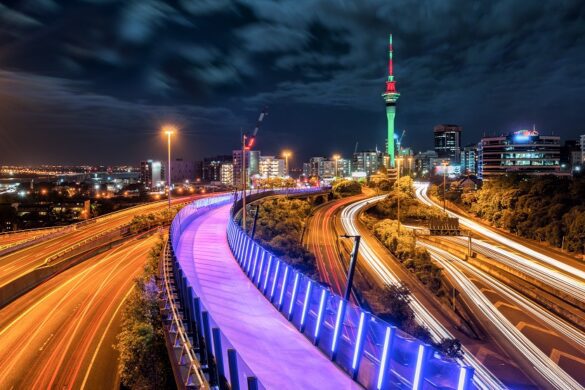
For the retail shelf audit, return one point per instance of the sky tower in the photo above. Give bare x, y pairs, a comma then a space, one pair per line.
390, 96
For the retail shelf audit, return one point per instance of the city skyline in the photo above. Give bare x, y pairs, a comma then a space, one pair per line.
77, 90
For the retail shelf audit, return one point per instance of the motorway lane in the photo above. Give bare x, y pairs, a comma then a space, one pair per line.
19, 263
543, 339
60, 334
19, 237
567, 276
324, 242
491, 363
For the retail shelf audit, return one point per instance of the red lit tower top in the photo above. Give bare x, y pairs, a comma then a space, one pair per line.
390, 83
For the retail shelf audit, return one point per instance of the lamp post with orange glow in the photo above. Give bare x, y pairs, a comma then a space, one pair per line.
336, 157
169, 131
445, 164
398, 161
286, 154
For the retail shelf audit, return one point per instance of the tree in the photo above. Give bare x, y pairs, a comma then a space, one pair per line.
143, 360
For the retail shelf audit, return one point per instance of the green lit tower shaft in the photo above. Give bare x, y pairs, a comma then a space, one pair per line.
390, 96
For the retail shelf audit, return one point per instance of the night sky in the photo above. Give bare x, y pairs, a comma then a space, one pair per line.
93, 81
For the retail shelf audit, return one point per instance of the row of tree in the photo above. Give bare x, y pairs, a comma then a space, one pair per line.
343, 188
143, 222
279, 228
144, 362
544, 208
411, 210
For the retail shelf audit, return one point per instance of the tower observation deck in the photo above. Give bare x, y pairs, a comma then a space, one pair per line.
390, 96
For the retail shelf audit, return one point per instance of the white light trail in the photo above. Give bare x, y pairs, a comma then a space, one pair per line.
483, 378
556, 376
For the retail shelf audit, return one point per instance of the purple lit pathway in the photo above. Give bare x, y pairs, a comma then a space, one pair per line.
280, 356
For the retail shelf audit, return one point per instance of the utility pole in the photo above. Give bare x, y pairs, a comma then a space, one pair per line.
352, 265
398, 161
244, 183
169, 131
444, 187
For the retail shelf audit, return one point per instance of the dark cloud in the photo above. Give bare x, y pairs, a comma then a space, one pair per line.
319, 64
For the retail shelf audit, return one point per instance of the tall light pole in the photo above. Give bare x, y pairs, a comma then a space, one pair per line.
244, 182
169, 131
398, 161
445, 164
286, 154
410, 166
336, 157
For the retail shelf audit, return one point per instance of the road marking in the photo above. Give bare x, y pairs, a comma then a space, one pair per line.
103, 337
521, 325
46, 342
556, 355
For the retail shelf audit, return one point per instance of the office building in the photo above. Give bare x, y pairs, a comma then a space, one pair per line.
314, 168
448, 142
270, 167
251, 163
152, 174
469, 160
211, 167
523, 152
227, 174
367, 162
423, 162
182, 170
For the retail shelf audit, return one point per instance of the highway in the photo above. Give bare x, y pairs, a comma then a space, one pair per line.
483, 378
17, 264
324, 242
513, 336
565, 277
60, 334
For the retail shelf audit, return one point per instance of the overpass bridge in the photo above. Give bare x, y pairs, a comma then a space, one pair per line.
256, 322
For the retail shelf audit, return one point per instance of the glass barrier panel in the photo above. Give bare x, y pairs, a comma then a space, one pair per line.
292, 288
329, 320
373, 344
441, 373
403, 359
300, 301
348, 335
312, 310
282, 276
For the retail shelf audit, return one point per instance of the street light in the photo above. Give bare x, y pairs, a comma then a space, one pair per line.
445, 164
410, 166
398, 161
169, 130
286, 154
336, 157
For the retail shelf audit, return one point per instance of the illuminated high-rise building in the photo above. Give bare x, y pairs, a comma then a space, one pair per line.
390, 96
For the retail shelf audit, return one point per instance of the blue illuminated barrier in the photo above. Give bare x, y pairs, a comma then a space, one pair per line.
374, 353
209, 342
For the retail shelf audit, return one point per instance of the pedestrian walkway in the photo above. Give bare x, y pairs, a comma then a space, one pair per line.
278, 354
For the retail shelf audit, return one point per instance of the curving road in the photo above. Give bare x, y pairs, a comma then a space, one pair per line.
499, 317
566, 277
60, 334
483, 378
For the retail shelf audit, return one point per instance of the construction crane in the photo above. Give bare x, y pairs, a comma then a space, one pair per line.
399, 140
248, 141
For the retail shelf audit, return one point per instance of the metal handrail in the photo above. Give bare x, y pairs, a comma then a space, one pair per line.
194, 371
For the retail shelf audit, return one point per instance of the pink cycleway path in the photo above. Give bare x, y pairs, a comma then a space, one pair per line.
279, 356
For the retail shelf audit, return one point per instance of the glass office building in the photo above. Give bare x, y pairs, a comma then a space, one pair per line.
523, 152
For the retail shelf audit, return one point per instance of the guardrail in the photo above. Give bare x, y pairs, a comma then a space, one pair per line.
374, 353
190, 370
